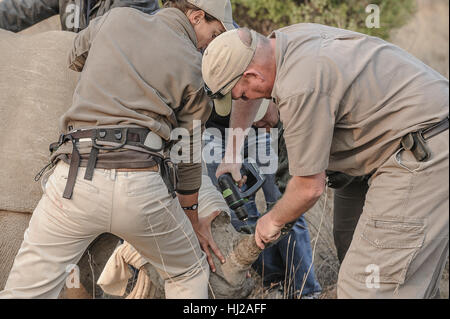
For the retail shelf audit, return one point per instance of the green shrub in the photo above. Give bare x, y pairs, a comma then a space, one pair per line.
267, 15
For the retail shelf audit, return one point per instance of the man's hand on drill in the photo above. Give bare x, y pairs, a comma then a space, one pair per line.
234, 169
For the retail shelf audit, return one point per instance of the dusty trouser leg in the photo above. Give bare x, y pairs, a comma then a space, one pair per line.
348, 206
210, 199
59, 232
400, 244
146, 216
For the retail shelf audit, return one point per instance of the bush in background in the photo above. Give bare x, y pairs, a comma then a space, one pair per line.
267, 15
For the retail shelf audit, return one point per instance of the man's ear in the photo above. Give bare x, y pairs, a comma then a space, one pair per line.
195, 17
253, 74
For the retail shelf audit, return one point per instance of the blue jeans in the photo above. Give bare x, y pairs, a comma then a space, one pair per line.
289, 259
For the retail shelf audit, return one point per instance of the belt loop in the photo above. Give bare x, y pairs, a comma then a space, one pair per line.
113, 174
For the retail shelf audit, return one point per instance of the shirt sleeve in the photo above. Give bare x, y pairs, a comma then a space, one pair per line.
82, 43
308, 119
16, 15
197, 107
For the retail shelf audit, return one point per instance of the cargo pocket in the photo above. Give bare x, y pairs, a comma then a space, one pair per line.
389, 245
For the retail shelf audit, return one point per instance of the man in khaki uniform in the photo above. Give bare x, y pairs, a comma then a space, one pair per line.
140, 79
347, 101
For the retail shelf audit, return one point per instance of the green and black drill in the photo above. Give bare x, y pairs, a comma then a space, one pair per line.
236, 198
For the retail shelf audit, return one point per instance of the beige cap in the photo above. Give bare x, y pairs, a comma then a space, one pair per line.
219, 9
224, 62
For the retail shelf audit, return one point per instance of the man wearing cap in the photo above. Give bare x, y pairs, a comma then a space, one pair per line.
358, 105
140, 79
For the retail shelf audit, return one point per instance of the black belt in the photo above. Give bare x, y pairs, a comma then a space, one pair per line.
119, 137
435, 129
416, 141
122, 136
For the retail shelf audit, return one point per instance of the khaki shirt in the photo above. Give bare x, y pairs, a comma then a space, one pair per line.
346, 99
140, 69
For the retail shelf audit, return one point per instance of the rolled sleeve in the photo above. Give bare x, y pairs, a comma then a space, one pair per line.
189, 178
308, 119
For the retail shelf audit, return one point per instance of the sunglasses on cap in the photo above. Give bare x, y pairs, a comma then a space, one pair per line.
218, 95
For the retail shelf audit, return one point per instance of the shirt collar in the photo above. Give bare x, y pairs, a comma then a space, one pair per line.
179, 21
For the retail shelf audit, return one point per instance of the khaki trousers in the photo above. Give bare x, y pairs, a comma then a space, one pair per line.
400, 244
132, 205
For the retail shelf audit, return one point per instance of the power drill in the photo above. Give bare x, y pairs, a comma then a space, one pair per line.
234, 196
